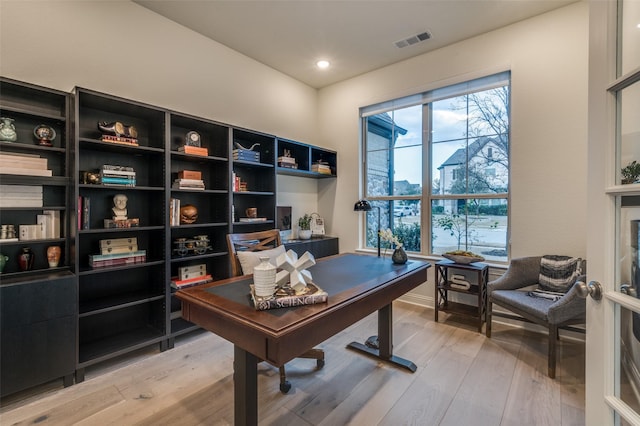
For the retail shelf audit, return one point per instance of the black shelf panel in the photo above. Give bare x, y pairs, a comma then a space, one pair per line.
260, 193
198, 158
87, 270
200, 191
120, 188
29, 112
178, 259
33, 148
471, 290
251, 164
200, 225
119, 344
96, 144
256, 223
50, 274
303, 173
182, 326
36, 209
120, 230
119, 301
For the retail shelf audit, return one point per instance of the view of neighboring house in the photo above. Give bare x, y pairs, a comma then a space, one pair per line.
485, 162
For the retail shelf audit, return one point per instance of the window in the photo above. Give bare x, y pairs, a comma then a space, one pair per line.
437, 166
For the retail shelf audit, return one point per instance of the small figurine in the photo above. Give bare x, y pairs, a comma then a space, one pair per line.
7, 130
119, 207
45, 135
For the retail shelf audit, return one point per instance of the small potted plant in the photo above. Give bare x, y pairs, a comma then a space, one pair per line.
630, 173
304, 227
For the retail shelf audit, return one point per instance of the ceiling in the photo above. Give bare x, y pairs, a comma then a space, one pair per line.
356, 36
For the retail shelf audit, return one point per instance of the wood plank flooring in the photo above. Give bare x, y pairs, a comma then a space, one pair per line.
463, 378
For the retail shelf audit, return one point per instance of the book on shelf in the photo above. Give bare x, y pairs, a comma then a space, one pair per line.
253, 219
21, 196
93, 257
188, 184
321, 168
121, 223
23, 161
174, 211
288, 165
119, 249
116, 242
120, 261
112, 168
119, 140
190, 174
194, 150
86, 213
178, 284
246, 155
313, 296
54, 222
24, 172
121, 181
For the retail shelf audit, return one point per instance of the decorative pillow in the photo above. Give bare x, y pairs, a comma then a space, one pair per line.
251, 259
559, 273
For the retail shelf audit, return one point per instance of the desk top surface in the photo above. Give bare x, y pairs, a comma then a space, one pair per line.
344, 277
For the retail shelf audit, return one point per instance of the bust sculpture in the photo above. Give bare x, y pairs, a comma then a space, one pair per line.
119, 207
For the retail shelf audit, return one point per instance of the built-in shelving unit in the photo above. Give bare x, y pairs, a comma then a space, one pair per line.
38, 307
121, 308
299, 159
96, 311
259, 178
212, 203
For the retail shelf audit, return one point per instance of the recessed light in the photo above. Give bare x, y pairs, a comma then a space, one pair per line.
323, 64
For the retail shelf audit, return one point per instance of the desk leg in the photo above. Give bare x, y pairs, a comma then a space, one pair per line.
245, 387
384, 350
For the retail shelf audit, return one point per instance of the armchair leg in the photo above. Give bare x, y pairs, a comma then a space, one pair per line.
553, 334
488, 318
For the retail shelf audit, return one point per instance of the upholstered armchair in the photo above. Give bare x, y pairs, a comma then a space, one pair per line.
513, 291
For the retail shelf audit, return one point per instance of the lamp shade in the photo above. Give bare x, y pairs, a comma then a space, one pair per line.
362, 206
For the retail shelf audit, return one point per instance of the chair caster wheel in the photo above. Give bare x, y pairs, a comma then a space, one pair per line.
285, 387
320, 363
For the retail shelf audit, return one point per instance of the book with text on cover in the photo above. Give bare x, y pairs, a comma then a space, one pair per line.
313, 295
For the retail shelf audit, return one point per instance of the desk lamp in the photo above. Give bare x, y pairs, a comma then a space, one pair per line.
365, 206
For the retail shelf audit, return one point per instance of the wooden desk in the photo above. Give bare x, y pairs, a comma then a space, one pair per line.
357, 285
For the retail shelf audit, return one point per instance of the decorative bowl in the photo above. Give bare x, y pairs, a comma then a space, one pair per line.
463, 260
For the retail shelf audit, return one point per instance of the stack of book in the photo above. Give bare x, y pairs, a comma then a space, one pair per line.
197, 184
321, 167
117, 175
238, 184
23, 164
246, 155
20, 196
287, 162
118, 252
194, 150
188, 276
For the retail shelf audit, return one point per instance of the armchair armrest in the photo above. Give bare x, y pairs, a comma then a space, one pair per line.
570, 306
522, 272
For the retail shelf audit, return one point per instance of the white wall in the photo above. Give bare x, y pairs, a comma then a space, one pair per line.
124, 49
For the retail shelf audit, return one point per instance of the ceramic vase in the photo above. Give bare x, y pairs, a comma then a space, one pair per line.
399, 256
304, 234
25, 259
264, 278
7, 130
3, 262
53, 256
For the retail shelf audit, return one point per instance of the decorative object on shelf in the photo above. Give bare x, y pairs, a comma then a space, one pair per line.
317, 225
8, 232
92, 178
238, 184
321, 167
399, 256
53, 256
115, 175
239, 146
198, 244
287, 161
188, 214
3, 262
192, 138
462, 257
118, 133
251, 212
45, 135
293, 271
304, 227
26, 259
264, 279
365, 206
7, 130
630, 173
119, 208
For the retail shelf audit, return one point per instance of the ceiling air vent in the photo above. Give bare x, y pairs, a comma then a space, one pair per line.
413, 39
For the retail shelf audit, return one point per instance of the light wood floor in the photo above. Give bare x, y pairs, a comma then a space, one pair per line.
463, 378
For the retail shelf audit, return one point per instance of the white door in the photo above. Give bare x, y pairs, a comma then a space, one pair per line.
613, 323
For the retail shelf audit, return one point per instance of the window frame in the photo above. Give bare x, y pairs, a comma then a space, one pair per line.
426, 99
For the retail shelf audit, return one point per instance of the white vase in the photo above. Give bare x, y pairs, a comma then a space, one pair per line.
304, 234
264, 278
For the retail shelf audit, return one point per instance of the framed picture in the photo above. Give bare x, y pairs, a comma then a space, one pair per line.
283, 218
